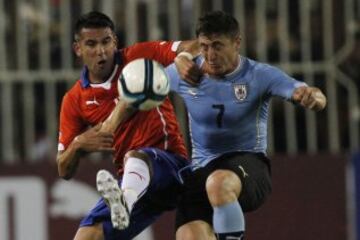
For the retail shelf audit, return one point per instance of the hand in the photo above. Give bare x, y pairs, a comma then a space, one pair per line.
188, 70
309, 97
94, 140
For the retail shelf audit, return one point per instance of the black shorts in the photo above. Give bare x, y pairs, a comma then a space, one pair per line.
252, 168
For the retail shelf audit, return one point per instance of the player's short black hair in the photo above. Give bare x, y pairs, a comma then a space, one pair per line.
93, 19
217, 22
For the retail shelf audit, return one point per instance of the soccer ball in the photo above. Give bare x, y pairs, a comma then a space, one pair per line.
143, 83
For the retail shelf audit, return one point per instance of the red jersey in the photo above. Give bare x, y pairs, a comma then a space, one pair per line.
87, 104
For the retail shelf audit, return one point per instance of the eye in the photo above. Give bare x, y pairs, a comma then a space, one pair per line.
204, 47
90, 43
107, 40
217, 46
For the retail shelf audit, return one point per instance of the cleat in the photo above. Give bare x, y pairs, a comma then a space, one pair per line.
109, 189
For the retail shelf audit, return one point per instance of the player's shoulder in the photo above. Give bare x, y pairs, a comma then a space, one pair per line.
162, 51
76, 88
75, 91
140, 46
260, 68
257, 65
152, 43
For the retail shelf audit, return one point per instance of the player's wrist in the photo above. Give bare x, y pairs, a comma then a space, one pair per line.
186, 55
77, 145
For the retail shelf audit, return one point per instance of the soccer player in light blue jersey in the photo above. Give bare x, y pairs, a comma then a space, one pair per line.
228, 112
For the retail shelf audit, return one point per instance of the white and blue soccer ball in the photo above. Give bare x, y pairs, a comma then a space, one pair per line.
144, 84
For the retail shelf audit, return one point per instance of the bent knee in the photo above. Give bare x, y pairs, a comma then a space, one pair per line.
139, 155
195, 230
136, 154
223, 186
94, 232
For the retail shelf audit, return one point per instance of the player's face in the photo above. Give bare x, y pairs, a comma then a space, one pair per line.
220, 53
96, 48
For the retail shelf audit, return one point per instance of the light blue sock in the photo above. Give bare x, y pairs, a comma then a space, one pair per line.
228, 218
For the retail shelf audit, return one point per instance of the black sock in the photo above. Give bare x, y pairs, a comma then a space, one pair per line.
230, 236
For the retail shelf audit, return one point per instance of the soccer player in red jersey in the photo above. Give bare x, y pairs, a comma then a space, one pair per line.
148, 147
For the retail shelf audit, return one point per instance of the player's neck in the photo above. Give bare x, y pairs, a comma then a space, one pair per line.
96, 79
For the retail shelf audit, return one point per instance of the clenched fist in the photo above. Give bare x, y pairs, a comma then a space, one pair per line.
309, 97
94, 140
188, 70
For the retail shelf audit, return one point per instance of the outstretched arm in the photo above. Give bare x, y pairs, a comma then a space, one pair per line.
309, 97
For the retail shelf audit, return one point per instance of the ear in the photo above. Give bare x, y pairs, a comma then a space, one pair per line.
77, 49
238, 42
116, 40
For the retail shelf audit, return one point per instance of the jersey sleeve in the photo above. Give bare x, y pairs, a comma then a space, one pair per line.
162, 51
174, 77
71, 123
278, 83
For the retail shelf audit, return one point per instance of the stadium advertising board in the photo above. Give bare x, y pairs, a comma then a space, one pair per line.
308, 199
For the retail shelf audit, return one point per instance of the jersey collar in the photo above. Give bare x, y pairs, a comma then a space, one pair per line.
84, 77
237, 69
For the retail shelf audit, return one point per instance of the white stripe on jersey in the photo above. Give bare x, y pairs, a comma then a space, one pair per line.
175, 46
61, 147
166, 144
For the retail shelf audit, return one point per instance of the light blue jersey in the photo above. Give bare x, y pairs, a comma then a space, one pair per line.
230, 114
